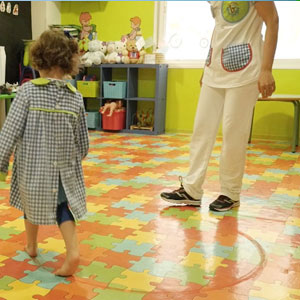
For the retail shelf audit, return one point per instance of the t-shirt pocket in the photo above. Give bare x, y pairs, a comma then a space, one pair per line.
237, 57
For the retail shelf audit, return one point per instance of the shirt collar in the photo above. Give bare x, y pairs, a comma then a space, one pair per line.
45, 81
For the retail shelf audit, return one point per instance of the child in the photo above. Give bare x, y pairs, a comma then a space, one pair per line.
46, 127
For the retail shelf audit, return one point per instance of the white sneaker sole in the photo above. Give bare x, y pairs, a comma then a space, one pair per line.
185, 201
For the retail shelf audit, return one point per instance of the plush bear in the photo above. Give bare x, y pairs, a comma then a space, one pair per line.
119, 48
111, 56
132, 54
95, 55
103, 49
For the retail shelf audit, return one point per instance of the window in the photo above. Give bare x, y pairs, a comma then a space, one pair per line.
183, 30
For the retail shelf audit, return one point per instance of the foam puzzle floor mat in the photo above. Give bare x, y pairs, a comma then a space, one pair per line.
135, 246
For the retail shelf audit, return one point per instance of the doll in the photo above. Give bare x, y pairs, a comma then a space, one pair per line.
112, 106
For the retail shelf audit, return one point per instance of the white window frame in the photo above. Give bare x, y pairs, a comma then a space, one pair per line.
158, 40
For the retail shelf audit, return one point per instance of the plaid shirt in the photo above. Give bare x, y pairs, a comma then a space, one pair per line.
46, 126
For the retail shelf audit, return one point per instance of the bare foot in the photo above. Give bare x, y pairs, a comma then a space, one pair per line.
31, 250
69, 266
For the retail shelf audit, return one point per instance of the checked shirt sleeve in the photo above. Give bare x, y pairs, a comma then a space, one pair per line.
83, 135
12, 130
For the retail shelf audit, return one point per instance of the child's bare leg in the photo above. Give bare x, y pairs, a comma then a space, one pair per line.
104, 108
112, 107
31, 233
68, 230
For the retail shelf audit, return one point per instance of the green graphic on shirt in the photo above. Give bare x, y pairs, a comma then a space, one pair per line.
234, 11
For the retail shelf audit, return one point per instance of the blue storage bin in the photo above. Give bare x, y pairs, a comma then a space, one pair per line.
72, 81
93, 119
114, 89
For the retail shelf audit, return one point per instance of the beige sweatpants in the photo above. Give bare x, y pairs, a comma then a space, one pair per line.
234, 106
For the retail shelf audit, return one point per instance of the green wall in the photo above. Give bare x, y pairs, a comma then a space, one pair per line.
112, 18
272, 120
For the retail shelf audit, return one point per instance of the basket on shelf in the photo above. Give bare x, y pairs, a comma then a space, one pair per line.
89, 89
114, 89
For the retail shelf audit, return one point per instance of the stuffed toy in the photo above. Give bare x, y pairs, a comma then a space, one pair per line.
95, 55
144, 118
83, 45
111, 56
132, 54
119, 48
112, 106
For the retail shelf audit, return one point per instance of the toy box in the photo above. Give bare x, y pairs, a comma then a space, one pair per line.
115, 122
114, 89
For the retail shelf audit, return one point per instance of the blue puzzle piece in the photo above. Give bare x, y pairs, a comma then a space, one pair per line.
176, 173
215, 249
113, 181
91, 155
132, 247
96, 160
47, 279
127, 205
291, 230
164, 159
49, 256
155, 269
251, 177
141, 216
131, 164
147, 180
123, 159
276, 171
257, 152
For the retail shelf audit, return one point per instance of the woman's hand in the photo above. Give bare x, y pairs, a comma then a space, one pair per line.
201, 79
266, 83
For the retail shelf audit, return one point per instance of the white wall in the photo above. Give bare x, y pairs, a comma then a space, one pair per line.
43, 14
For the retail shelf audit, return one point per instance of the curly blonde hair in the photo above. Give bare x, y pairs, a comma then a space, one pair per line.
54, 49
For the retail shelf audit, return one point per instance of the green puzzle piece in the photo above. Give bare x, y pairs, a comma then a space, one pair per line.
102, 219
102, 273
107, 242
98, 192
296, 254
189, 274
109, 294
179, 213
5, 281
5, 233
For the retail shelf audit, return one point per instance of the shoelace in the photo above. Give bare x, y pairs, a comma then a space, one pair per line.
224, 199
181, 188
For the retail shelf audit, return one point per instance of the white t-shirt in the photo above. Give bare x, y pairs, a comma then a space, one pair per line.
235, 54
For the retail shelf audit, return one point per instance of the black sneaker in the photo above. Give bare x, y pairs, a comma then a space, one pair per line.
223, 203
180, 196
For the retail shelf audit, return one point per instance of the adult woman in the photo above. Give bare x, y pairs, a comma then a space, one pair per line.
238, 68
